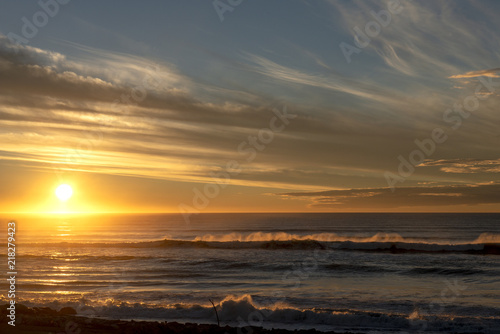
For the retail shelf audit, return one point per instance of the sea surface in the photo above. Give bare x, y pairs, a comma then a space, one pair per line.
367, 273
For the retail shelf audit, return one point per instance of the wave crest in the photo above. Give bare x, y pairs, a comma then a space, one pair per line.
283, 236
243, 311
486, 243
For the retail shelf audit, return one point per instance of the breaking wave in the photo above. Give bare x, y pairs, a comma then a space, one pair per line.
243, 311
486, 243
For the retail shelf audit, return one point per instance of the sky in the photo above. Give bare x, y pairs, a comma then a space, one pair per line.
250, 106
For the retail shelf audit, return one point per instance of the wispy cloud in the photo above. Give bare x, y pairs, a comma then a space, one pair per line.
276, 71
380, 198
492, 73
465, 166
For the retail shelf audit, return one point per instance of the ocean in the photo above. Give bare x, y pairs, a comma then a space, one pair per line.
368, 273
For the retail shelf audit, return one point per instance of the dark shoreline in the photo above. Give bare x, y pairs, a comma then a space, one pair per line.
65, 321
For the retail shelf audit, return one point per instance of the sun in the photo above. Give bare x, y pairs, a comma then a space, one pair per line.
64, 192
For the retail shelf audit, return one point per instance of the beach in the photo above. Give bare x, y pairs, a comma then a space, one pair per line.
46, 320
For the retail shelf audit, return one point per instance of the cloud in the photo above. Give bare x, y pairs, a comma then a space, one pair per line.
66, 100
492, 73
392, 59
51, 106
416, 44
465, 166
274, 70
380, 198
353, 121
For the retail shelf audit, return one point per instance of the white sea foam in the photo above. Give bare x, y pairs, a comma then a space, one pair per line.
244, 311
333, 237
486, 243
